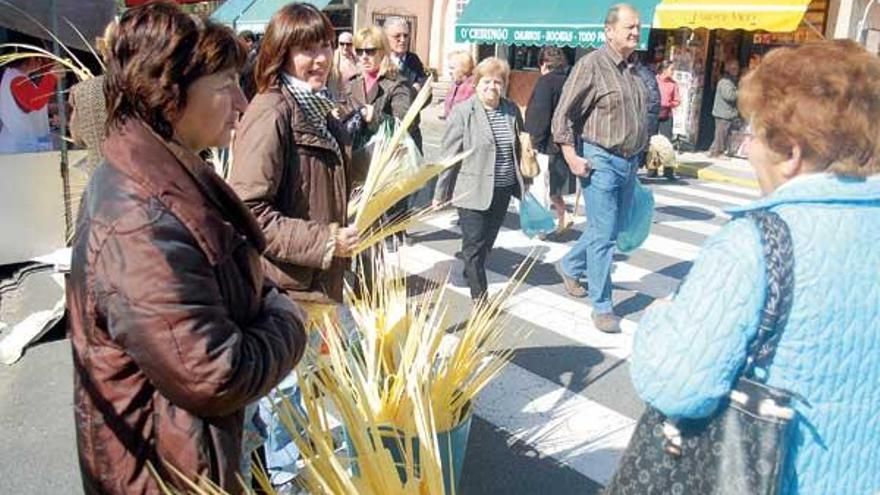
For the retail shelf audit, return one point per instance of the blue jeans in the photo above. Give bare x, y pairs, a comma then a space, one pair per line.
263, 427
608, 192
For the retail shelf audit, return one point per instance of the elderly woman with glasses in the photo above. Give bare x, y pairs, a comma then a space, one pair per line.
815, 152
490, 176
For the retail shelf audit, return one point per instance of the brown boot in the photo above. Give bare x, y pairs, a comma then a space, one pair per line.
606, 322
571, 285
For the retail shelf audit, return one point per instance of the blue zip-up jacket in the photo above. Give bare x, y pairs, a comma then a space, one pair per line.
687, 354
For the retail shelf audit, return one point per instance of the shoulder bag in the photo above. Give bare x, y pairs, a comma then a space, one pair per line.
741, 448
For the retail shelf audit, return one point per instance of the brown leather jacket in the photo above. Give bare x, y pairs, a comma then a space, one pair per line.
173, 330
289, 176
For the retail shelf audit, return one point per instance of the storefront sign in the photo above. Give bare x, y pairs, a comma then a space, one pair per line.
581, 36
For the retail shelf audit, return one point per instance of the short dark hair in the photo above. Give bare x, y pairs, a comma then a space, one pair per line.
554, 57
248, 36
294, 25
156, 55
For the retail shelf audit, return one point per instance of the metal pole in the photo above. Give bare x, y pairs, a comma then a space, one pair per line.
241, 13
62, 117
862, 30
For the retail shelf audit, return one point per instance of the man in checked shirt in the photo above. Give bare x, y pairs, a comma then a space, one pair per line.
603, 103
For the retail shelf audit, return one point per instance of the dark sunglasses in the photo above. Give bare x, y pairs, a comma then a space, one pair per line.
365, 51
345, 44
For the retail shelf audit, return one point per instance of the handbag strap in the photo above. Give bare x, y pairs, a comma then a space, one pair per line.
779, 262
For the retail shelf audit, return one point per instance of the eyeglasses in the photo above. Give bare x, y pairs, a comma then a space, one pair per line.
365, 51
344, 44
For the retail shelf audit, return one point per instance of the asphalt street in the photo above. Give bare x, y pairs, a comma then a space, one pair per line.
555, 421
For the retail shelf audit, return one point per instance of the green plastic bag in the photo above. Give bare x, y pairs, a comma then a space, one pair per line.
637, 225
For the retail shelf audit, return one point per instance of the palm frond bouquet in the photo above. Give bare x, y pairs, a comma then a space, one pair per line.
402, 387
393, 174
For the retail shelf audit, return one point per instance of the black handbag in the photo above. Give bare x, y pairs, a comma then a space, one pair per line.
741, 448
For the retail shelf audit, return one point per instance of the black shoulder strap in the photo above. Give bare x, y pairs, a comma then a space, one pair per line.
779, 262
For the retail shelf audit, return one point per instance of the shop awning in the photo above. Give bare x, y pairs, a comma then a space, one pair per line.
136, 3
89, 16
542, 22
768, 15
253, 15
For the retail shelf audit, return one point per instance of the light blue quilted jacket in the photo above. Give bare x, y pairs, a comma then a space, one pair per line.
687, 354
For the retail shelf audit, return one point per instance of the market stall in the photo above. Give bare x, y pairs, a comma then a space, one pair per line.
38, 193
699, 35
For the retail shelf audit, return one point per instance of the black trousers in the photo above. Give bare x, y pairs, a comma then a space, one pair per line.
478, 232
665, 128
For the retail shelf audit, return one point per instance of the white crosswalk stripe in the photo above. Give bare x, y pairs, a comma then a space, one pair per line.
577, 431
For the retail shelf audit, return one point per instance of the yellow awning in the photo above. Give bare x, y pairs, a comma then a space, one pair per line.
776, 16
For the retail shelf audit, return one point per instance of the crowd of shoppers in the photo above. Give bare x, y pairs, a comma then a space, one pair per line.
191, 299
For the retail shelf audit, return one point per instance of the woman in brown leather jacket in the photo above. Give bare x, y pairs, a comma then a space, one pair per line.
173, 329
291, 167
291, 162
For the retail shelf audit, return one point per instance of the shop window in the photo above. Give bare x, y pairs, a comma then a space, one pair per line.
485, 51
526, 57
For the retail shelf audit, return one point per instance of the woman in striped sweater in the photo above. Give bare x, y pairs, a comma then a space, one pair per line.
487, 123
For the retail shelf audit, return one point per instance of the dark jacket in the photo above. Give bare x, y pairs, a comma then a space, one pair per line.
288, 174
171, 329
468, 128
248, 79
649, 79
413, 69
539, 113
391, 97
724, 106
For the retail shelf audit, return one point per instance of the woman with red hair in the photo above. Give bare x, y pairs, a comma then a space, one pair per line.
816, 151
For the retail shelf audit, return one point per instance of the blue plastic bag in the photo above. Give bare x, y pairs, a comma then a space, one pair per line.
637, 224
534, 219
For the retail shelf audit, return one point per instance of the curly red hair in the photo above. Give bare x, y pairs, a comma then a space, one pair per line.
822, 96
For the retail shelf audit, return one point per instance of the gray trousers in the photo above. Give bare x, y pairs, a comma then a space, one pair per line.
722, 137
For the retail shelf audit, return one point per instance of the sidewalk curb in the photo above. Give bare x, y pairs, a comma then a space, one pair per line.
702, 172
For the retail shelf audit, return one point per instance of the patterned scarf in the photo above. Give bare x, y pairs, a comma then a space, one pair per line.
316, 107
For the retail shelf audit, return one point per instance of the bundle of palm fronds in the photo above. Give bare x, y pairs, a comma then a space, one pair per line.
397, 334
392, 177
395, 377
388, 461
396, 381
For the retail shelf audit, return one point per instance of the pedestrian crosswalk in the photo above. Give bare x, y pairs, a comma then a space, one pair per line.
566, 398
